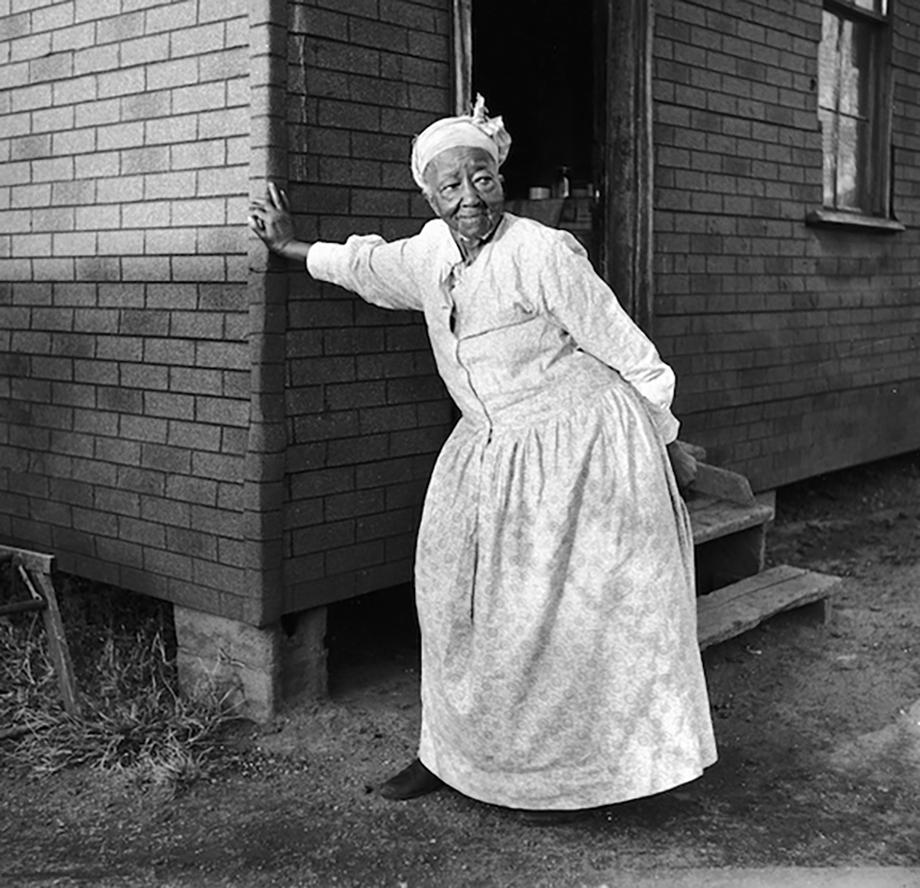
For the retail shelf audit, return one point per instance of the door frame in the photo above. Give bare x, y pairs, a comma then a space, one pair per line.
462, 51
629, 157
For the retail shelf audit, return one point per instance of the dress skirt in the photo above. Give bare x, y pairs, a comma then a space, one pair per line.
555, 591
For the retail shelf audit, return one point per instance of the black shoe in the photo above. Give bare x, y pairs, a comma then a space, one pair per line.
410, 783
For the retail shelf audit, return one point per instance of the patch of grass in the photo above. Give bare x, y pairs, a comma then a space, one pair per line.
133, 721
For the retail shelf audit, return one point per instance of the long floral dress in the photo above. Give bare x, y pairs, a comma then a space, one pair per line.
554, 574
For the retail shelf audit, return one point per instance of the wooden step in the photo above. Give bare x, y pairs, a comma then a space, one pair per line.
721, 503
734, 609
712, 518
729, 525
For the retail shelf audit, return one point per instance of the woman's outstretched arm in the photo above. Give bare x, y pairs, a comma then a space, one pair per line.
379, 272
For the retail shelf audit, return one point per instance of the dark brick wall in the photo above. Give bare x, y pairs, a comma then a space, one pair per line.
124, 365
366, 411
796, 347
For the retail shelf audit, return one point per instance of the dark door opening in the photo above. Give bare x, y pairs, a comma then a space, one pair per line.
535, 65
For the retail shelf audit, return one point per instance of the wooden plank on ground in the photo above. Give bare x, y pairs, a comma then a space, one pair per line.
728, 612
57, 645
34, 571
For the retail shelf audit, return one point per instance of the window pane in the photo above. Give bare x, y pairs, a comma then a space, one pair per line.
852, 164
828, 61
855, 47
829, 136
845, 65
879, 6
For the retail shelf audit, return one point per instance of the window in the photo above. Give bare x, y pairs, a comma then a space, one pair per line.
854, 111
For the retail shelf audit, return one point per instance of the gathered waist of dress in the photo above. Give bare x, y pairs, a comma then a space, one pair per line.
553, 395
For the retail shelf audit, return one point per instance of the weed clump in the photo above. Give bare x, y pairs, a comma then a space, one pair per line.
132, 720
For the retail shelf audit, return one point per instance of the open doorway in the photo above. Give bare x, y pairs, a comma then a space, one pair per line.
575, 88
543, 71
535, 65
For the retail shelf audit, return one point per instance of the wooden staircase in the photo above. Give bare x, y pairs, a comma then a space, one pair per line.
735, 592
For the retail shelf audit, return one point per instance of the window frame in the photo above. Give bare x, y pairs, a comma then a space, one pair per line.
880, 152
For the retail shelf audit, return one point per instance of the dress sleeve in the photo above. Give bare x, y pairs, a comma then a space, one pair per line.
379, 272
581, 303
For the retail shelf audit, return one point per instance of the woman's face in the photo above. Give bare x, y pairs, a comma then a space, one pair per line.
465, 191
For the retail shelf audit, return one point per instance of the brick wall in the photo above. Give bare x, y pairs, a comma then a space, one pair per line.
796, 347
136, 444
124, 391
366, 411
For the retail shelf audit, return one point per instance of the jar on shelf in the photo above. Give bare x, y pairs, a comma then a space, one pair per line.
562, 186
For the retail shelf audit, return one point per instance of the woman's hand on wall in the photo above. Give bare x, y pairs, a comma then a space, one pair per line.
272, 221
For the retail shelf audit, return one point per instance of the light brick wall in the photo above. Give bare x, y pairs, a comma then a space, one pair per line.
796, 347
366, 411
123, 311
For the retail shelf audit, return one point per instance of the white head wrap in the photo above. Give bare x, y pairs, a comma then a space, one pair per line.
476, 130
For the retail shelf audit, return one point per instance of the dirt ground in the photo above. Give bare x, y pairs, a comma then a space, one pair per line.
818, 730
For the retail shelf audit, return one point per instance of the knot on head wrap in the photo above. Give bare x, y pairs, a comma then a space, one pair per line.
476, 130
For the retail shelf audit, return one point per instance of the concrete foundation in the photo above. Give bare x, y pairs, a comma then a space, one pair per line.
259, 668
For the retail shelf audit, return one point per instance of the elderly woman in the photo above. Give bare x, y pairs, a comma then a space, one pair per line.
554, 565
